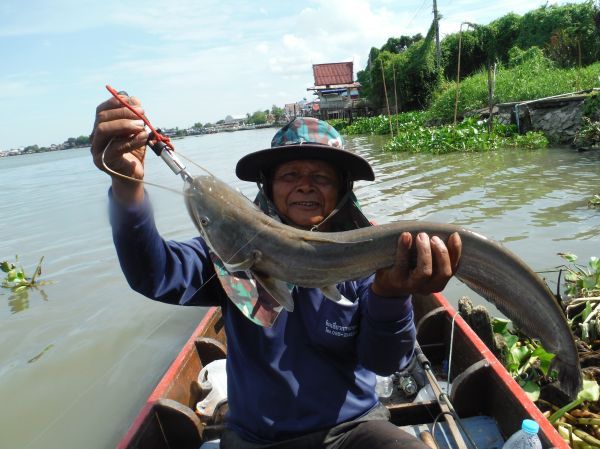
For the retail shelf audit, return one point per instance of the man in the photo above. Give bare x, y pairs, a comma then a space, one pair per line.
306, 378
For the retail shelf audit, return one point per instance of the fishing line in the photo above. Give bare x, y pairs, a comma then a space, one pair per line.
142, 181
129, 178
195, 163
451, 349
160, 138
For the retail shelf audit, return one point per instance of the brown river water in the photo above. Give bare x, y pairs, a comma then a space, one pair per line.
79, 356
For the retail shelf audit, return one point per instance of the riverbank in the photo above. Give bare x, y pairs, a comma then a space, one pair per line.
83, 142
34, 149
570, 119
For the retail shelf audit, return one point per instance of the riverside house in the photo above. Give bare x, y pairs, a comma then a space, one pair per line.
336, 90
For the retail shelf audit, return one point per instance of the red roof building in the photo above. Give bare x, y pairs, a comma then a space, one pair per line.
336, 88
333, 74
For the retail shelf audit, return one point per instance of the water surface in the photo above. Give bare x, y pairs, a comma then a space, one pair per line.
80, 356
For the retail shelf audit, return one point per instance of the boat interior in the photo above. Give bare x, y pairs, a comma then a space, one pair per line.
478, 407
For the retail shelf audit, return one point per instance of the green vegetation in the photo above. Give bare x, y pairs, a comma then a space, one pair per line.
257, 117
523, 358
549, 51
71, 142
468, 136
515, 82
591, 107
588, 135
15, 278
529, 363
567, 35
581, 281
379, 125
20, 284
412, 135
262, 117
409, 70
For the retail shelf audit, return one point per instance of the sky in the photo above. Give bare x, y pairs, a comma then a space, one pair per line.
190, 61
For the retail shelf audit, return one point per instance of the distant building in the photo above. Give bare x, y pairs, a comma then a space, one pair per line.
292, 110
336, 90
232, 123
235, 120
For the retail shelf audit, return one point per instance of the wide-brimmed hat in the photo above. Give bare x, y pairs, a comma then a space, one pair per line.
304, 138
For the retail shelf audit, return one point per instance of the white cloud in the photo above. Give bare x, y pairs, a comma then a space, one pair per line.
262, 48
197, 61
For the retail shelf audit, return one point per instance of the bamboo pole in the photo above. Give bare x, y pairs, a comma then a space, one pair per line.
458, 73
491, 87
458, 68
387, 103
395, 96
438, 48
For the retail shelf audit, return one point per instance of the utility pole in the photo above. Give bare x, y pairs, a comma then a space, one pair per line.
438, 50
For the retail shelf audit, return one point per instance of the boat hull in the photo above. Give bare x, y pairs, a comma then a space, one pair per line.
480, 384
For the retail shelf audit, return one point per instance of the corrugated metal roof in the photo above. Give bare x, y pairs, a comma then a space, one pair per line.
334, 73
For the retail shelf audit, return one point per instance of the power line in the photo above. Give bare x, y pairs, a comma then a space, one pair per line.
416, 13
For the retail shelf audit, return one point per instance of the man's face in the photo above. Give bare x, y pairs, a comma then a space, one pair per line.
305, 191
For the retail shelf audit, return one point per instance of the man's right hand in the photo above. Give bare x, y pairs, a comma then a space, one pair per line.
126, 152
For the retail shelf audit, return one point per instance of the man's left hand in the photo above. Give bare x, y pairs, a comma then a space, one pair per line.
436, 263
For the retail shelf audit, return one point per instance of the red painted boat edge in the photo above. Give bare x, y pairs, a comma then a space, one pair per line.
551, 433
499, 369
159, 390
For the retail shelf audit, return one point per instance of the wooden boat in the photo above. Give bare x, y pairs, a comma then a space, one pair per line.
482, 390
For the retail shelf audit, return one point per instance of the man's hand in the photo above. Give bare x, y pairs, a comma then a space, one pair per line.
436, 264
127, 150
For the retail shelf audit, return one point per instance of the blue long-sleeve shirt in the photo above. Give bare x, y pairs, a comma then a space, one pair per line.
312, 370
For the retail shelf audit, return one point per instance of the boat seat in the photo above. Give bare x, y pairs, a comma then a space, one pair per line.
179, 424
210, 349
471, 383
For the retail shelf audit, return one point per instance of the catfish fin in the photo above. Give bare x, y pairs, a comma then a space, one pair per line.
277, 289
244, 265
332, 293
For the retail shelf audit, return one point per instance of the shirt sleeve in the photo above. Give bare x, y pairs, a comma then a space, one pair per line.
387, 331
166, 271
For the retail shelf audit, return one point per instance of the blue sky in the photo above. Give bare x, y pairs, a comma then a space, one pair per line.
189, 61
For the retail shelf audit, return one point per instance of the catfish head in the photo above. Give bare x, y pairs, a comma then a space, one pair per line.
223, 217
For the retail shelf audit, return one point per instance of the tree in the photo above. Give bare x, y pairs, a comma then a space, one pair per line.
570, 34
197, 125
82, 141
277, 112
258, 117
400, 44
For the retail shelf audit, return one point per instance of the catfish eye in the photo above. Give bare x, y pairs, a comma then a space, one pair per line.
204, 221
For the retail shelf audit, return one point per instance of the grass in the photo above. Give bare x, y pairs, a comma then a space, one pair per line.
528, 81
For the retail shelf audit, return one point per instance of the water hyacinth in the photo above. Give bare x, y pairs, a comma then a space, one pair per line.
413, 134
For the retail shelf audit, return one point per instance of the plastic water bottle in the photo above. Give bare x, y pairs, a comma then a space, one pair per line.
526, 438
384, 386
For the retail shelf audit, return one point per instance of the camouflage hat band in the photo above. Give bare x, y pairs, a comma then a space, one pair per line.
304, 138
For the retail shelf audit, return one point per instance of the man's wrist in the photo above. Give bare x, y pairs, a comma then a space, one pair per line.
387, 292
127, 192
